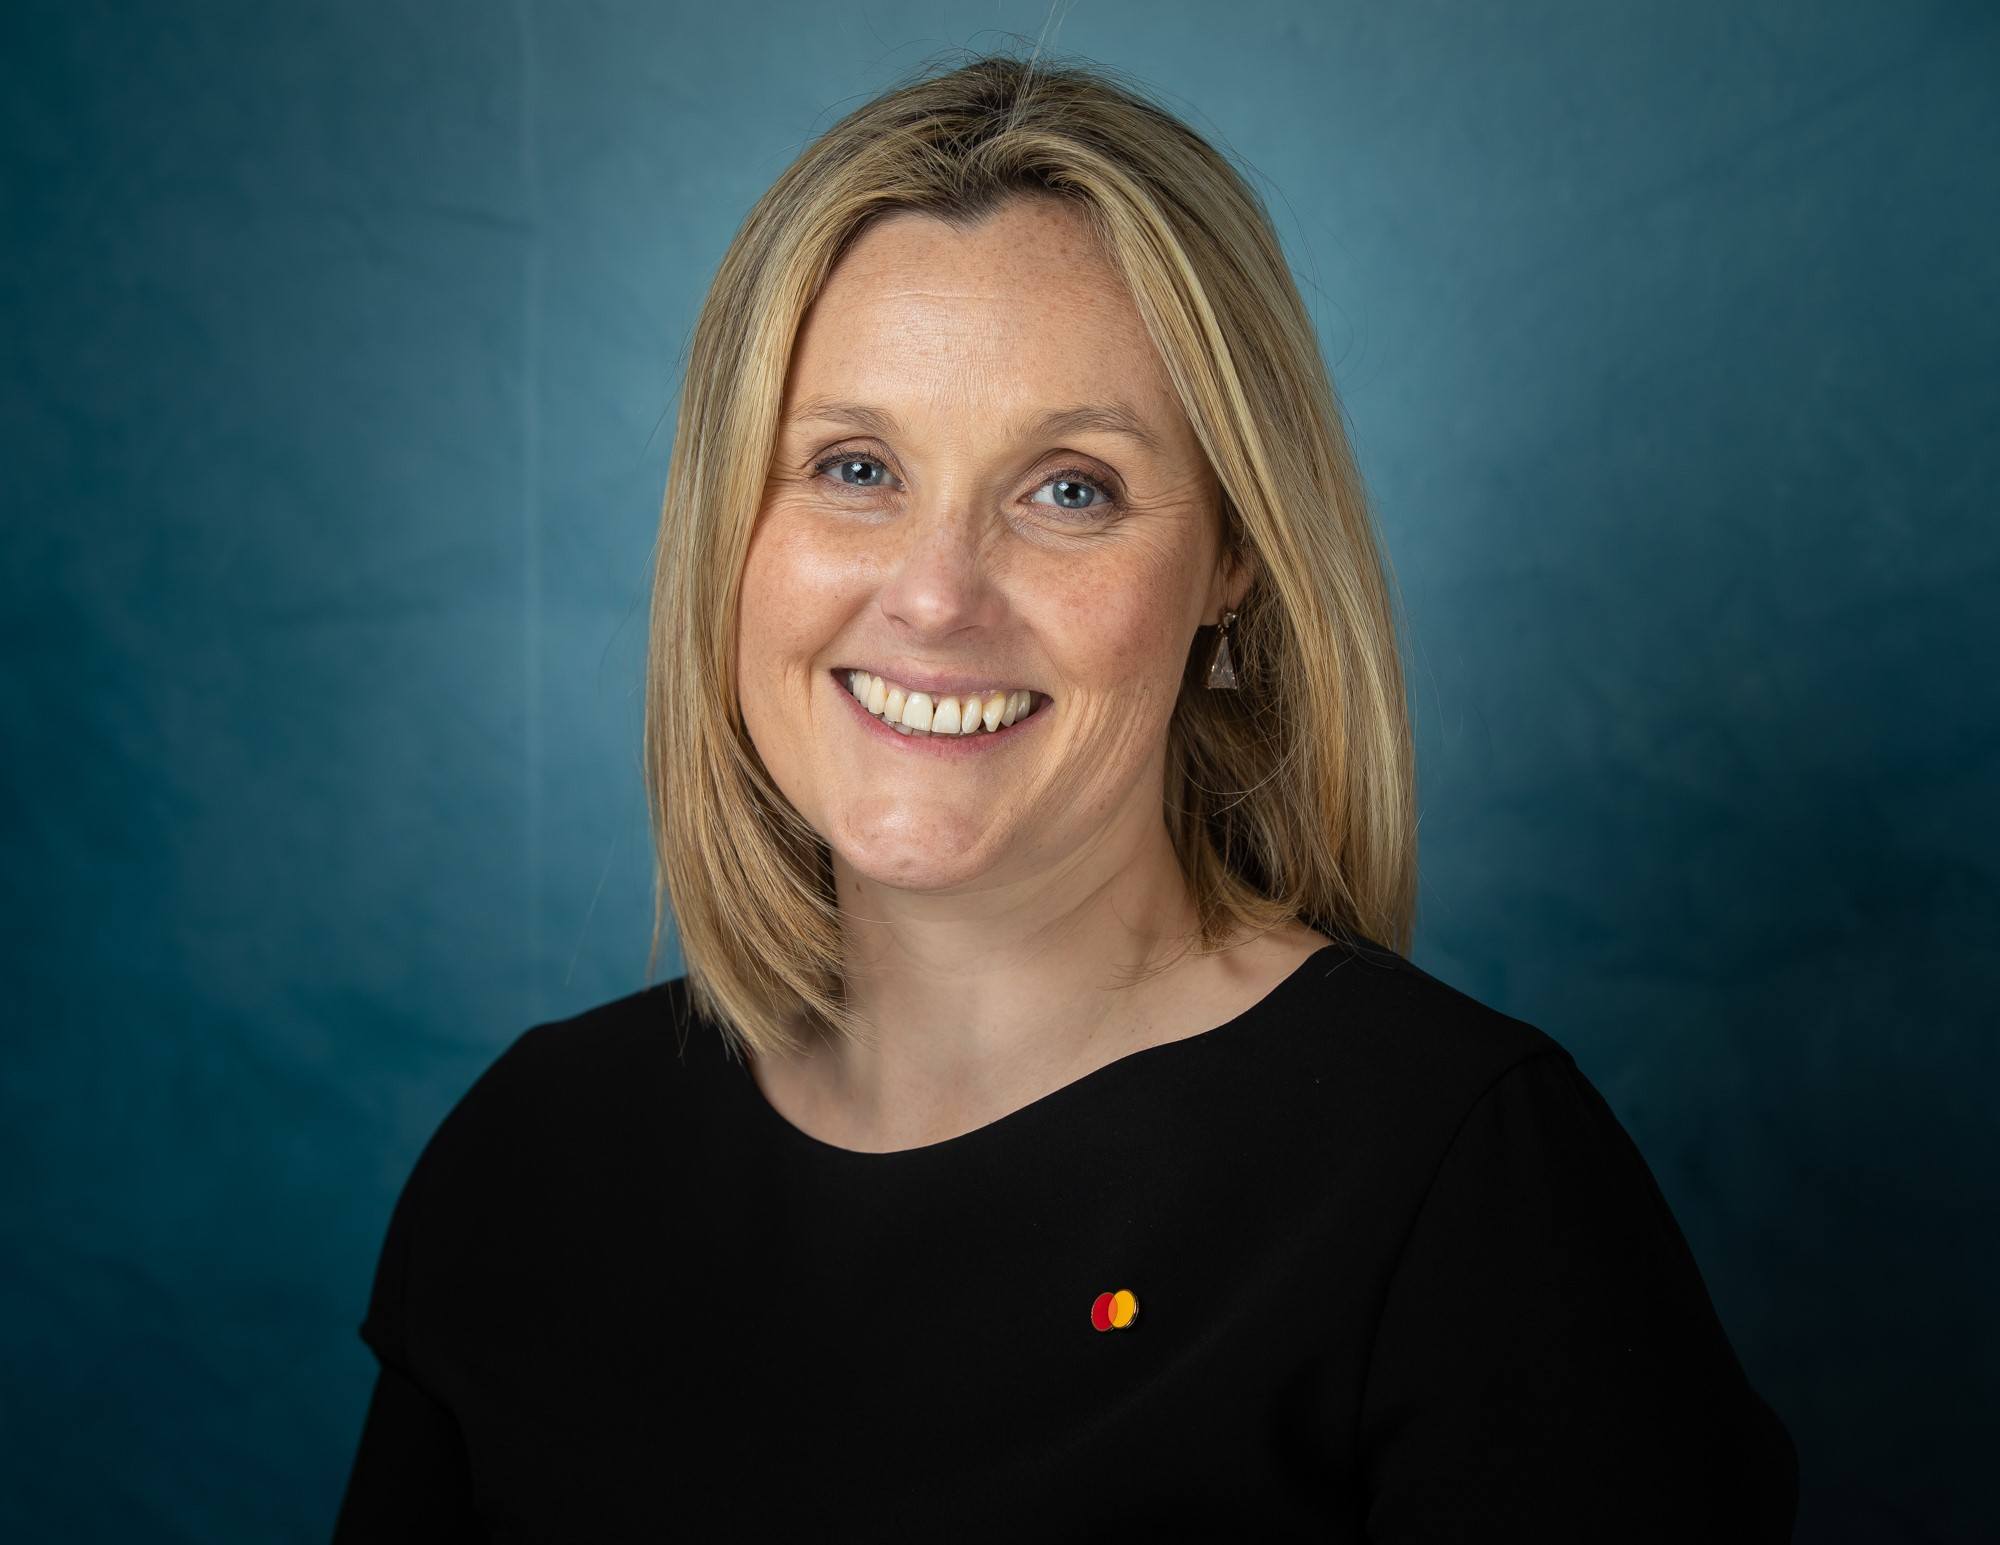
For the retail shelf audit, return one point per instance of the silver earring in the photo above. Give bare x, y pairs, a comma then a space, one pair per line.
1221, 669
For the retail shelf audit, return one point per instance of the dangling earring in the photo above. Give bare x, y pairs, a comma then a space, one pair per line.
1221, 669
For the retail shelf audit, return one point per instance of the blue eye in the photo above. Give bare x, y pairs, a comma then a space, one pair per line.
1075, 478
1072, 481
844, 462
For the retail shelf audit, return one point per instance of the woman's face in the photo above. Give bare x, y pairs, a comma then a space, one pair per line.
941, 536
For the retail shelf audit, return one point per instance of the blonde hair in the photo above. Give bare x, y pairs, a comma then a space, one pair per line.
1291, 799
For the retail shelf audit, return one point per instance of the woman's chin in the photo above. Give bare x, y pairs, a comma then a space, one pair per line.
912, 863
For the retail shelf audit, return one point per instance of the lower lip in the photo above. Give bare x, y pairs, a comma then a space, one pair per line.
952, 746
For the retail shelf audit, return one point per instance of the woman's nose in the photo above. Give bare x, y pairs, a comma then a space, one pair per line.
939, 577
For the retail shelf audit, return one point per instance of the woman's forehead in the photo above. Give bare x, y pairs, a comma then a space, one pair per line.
938, 321
1014, 277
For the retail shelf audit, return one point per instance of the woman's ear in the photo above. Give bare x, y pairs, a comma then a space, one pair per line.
1239, 572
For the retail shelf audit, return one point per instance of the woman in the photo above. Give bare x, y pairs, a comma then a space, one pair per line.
1050, 1138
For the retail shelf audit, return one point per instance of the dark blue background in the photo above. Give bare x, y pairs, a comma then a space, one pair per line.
340, 350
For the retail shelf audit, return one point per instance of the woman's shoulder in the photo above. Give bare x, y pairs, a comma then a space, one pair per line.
1368, 1018
642, 1032
571, 1083
545, 1137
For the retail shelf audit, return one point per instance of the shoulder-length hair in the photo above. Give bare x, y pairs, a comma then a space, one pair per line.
1290, 799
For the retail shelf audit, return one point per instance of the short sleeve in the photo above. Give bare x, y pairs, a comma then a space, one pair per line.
1548, 1363
383, 1327
410, 1479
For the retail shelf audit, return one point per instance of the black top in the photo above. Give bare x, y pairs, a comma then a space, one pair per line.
1388, 1269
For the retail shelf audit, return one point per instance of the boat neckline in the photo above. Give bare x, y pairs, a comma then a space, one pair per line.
1036, 1109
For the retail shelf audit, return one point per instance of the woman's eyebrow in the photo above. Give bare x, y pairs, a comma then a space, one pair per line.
1116, 418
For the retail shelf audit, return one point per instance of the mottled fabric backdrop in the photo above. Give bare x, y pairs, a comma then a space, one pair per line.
340, 354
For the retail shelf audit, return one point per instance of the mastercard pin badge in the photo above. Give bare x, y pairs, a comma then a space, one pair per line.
1114, 1311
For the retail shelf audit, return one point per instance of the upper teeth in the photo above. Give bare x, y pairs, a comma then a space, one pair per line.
949, 714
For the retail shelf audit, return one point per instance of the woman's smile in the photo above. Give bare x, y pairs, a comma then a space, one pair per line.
950, 744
